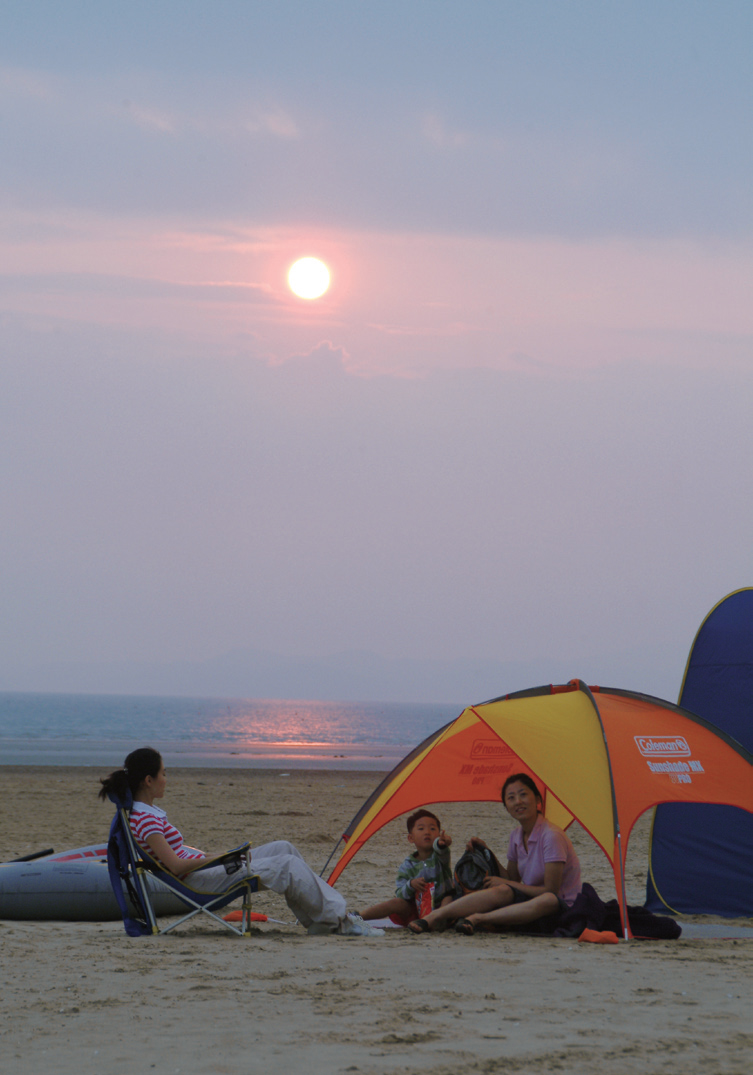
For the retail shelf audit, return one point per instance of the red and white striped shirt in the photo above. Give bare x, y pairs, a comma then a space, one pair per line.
146, 820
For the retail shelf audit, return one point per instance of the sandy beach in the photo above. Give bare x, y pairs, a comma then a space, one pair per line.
83, 997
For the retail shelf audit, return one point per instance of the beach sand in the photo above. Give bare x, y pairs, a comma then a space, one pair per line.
83, 997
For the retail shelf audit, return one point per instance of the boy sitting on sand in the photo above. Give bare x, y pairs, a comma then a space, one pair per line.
429, 865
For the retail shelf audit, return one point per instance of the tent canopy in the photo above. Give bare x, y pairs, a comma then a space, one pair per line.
599, 755
701, 856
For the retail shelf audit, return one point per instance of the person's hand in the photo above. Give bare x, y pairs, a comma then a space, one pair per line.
443, 839
418, 884
475, 841
494, 882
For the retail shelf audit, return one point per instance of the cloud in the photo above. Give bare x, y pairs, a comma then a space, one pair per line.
237, 123
153, 120
276, 122
333, 152
435, 130
18, 83
524, 361
88, 106
325, 356
135, 287
400, 303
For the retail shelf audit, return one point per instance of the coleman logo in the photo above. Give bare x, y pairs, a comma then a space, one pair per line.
662, 746
489, 748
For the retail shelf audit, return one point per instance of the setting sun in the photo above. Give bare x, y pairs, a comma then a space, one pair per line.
308, 278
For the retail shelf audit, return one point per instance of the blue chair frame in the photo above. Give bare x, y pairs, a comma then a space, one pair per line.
129, 865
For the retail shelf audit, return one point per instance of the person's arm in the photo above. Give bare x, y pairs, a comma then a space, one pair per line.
552, 880
475, 841
407, 884
507, 873
443, 880
441, 851
162, 851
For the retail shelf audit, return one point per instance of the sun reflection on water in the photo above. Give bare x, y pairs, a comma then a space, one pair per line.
235, 724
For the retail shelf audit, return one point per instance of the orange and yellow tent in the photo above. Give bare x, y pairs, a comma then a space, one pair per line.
600, 756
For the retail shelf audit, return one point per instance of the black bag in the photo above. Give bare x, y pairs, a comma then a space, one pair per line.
472, 869
589, 911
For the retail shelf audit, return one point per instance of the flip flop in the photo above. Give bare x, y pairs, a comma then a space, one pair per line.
421, 926
465, 927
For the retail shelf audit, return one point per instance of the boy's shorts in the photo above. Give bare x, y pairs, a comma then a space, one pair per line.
403, 920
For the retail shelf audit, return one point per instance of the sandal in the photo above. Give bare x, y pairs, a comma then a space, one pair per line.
419, 926
465, 927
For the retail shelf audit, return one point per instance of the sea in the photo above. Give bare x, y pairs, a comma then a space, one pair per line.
99, 730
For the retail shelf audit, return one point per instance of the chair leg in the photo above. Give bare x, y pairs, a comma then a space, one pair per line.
247, 913
246, 920
202, 910
140, 877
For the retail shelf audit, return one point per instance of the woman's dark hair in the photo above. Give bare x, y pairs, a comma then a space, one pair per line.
522, 778
138, 766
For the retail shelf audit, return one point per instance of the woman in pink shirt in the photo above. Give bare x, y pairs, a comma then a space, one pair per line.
542, 877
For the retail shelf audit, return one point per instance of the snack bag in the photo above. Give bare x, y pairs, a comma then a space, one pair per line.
425, 900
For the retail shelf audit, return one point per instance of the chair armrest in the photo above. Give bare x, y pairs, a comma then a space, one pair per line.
226, 856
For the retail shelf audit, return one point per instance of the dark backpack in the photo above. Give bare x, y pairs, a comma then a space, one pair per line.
472, 869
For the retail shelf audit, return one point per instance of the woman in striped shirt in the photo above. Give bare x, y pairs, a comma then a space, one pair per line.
278, 865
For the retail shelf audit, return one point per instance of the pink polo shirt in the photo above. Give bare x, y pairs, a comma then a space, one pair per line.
547, 843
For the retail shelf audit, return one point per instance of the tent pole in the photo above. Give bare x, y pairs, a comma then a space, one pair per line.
617, 834
625, 923
334, 849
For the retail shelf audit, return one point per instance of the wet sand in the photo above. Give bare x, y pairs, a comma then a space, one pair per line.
80, 997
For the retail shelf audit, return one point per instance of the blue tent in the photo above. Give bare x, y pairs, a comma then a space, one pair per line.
701, 857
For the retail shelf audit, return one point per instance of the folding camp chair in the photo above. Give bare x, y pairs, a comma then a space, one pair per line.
131, 867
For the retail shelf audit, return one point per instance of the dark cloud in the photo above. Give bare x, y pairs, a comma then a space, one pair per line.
132, 287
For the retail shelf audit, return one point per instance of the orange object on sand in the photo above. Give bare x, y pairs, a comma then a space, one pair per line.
237, 916
595, 937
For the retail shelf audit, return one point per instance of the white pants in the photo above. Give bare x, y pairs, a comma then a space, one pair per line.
281, 868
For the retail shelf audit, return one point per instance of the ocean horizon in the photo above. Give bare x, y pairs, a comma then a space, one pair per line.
100, 729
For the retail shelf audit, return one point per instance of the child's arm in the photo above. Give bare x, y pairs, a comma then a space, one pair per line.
443, 879
441, 847
407, 883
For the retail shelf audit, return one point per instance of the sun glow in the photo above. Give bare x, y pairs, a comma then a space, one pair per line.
308, 278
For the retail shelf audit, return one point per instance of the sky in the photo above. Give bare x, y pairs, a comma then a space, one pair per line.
514, 435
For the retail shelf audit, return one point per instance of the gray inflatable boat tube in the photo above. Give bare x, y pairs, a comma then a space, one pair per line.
73, 886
